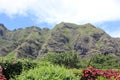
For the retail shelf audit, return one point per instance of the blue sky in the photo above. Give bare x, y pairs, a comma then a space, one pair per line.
21, 22
47, 13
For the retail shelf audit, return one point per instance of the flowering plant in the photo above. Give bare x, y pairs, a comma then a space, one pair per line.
92, 73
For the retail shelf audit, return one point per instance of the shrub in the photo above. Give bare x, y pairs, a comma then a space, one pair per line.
47, 72
68, 59
105, 61
13, 67
92, 74
77, 72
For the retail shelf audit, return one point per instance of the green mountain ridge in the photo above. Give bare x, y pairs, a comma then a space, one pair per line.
33, 42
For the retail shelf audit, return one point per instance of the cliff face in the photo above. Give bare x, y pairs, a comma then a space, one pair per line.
34, 42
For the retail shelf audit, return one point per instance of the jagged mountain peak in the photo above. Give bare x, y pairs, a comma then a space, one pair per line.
33, 42
2, 27
66, 25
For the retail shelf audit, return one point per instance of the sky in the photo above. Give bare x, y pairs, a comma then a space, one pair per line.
104, 14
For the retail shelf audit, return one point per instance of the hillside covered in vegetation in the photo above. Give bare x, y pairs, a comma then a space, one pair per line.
33, 42
62, 53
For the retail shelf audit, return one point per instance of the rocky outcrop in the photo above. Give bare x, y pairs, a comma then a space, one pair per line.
33, 42
2, 30
84, 39
29, 49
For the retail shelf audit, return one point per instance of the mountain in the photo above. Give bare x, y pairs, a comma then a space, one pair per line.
33, 42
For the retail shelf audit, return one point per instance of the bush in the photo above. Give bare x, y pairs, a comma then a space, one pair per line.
13, 67
68, 59
47, 72
92, 74
105, 61
77, 72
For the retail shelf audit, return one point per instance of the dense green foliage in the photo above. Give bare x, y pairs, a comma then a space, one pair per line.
72, 60
105, 61
24, 69
47, 71
55, 66
12, 67
68, 59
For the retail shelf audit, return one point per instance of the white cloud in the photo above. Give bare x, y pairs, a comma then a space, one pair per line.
54, 11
